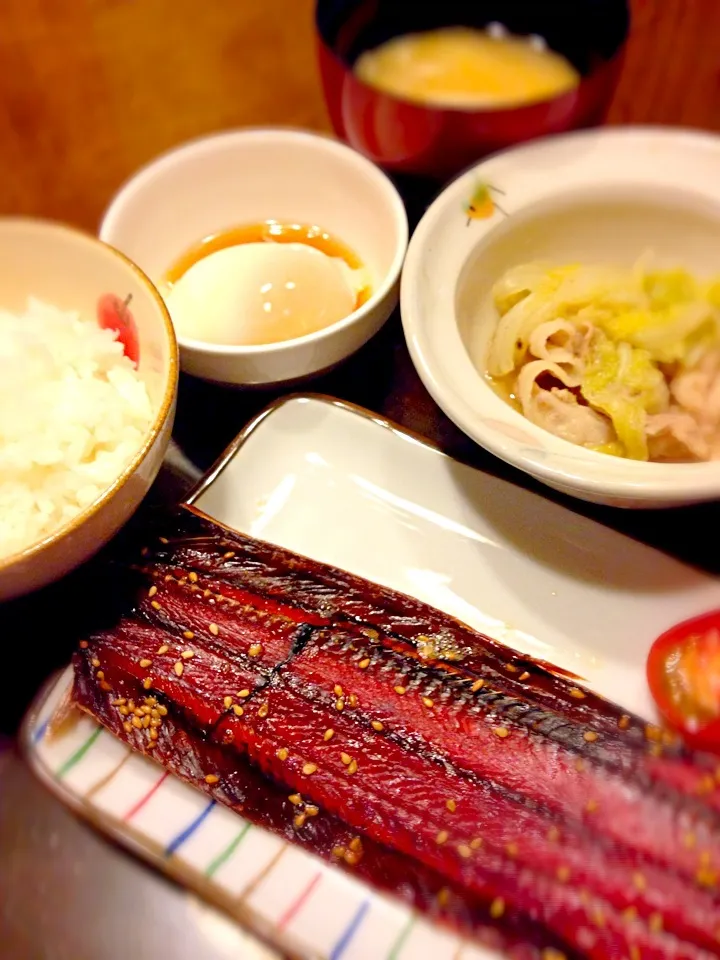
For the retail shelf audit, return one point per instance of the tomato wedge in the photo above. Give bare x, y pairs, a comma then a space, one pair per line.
114, 314
683, 671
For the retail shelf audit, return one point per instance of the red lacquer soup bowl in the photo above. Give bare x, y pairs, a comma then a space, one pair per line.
406, 137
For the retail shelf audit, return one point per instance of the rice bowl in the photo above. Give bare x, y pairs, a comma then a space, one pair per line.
83, 431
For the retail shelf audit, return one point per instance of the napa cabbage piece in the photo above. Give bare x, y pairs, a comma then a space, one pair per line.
525, 297
624, 383
534, 293
673, 334
665, 288
712, 293
668, 313
614, 448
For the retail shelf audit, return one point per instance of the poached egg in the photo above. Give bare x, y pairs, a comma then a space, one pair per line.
263, 292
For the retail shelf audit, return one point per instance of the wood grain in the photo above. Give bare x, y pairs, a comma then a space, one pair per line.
91, 89
672, 67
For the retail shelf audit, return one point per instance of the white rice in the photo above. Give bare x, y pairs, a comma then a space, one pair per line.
73, 413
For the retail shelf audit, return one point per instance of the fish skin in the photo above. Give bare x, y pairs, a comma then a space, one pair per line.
266, 804
303, 614
337, 597
412, 824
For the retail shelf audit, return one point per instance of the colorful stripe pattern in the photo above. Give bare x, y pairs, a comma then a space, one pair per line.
220, 847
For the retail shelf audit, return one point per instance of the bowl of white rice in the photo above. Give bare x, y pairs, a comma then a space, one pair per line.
88, 379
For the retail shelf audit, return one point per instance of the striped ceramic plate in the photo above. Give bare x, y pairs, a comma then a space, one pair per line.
287, 896
533, 574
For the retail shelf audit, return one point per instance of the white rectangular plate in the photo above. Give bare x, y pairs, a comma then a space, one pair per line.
341, 486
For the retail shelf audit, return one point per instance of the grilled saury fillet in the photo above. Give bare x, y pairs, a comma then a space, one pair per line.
490, 790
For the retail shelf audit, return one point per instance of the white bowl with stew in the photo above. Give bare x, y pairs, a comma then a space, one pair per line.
244, 177
604, 196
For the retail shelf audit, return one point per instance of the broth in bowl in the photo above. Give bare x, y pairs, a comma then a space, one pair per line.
464, 68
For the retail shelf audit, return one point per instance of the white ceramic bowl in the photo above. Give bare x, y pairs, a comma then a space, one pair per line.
72, 270
248, 176
605, 195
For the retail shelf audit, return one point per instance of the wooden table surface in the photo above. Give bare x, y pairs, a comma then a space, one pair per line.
89, 90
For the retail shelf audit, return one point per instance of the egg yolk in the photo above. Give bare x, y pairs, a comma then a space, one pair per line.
260, 293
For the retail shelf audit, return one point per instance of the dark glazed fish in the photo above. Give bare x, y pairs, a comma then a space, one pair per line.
485, 788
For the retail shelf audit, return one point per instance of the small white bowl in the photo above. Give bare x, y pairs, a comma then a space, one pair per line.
72, 270
598, 196
248, 176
